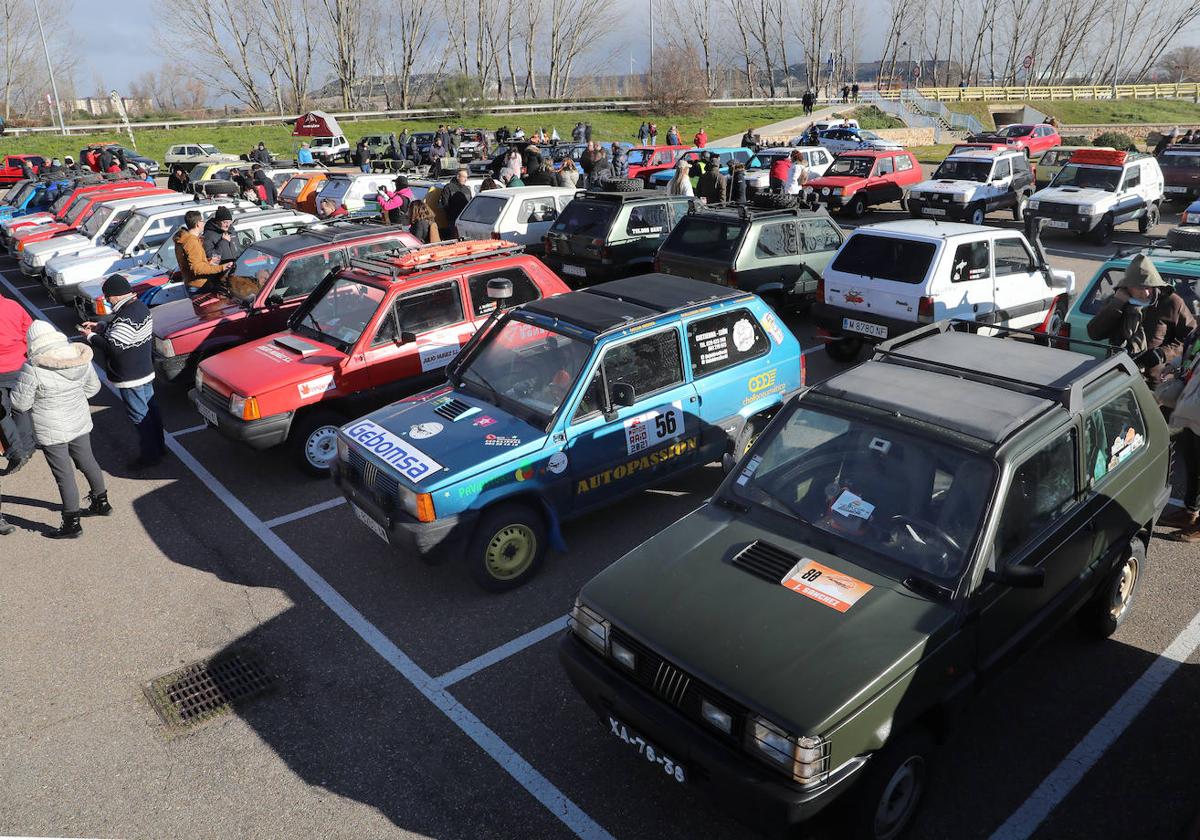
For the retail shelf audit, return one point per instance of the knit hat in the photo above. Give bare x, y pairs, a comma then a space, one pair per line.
401, 182
1141, 272
223, 214
43, 336
116, 285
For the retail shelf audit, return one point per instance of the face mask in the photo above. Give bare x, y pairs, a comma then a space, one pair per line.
1138, 302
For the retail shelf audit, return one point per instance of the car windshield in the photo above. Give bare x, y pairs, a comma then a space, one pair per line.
524, 368
128, 231
76, 209
97, 220
209, 150
856, 167
585, 218
59, 203
1088, 177
964, 170
877, 491
338, 313
483, 209
322, 141
423, 137
1016, 131
768, 156
252, 270
165, 255
20, 195
120, 222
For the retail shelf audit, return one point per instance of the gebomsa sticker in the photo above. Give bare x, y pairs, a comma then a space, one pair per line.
654, 426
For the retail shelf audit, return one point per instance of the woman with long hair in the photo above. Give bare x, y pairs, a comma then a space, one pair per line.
421, 223
681, 184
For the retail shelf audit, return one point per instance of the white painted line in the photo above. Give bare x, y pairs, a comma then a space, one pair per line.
308, 511
189, 430
513, 763
1055, 787
487, 660
56, 306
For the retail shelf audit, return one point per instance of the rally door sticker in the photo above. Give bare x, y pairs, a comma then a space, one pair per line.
825, 585
653, 427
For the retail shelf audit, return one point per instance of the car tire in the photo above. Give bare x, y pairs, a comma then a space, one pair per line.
749, 434
1103, 232
977, 213
773, 201
1149, 219
889, 793
904, 201
857, 207
508, 547
845, 349
1185, 238
1109, 609
313, 441
623, 185
1019, 207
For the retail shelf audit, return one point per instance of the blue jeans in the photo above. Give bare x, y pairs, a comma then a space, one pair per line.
142, 409
365, 167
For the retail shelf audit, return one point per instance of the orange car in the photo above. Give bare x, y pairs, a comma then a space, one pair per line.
300, 191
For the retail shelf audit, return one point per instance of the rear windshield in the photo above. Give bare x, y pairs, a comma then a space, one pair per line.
585, 218
1181, 160
335, 189
483, 209
705, 238
885, 257
293, 187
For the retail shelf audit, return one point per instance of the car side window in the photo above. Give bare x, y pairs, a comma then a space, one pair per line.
535, 210
970, 262
1013, 257
524, 290
819, 235
1003, 170
303, 274
1041, 492
387, 331
720, 341
884, 166
429, 309
1133, 178
1020, 166
648, 219
649, 364
378, 246
903, 163
778, 240
245, 237
1113, 434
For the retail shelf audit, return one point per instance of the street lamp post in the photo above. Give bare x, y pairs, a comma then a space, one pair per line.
49, 67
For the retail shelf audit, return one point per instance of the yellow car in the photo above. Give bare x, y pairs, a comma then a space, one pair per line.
1053, 160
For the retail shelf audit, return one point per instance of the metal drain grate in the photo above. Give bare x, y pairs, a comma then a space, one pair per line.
207, 688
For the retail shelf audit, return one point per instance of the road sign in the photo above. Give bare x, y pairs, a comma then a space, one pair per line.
1028, 62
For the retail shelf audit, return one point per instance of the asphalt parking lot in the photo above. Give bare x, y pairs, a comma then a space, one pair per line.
410, 703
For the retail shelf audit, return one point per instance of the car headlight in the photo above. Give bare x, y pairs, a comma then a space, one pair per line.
1032, 204
716, 717
806, 758
824, 190
962, 198
1193, 218
243, 407
623, 655
162, 346
199, 379
589, 627
1088, 209
838, 191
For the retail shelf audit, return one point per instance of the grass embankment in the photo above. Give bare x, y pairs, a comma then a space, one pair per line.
237, 139
1093, 111
870, 117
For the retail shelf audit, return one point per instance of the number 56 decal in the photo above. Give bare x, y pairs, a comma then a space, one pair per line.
652, 427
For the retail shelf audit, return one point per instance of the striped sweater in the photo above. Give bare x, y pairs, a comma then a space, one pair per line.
124, 344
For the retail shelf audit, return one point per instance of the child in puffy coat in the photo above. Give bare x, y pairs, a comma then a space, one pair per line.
54, 386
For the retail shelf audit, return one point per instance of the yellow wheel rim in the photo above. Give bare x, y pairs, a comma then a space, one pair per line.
510, 551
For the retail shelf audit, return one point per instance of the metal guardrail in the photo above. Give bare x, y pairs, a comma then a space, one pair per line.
1052, 92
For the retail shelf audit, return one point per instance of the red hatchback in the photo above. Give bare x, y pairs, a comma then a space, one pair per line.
380, 329
1032, 138
862, 179
644, 161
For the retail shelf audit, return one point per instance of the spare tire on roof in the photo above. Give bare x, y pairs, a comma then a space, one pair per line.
1185, 237
623, 185
773, 201
211, 188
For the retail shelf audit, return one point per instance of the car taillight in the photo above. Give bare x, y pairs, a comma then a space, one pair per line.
657, 266
821, 289
597, 243
925, 310
731, 278
803, 370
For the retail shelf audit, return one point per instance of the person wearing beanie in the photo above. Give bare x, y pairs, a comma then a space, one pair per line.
1144, 316
195, 268
123, 345
54, 387
217, 238
18, 428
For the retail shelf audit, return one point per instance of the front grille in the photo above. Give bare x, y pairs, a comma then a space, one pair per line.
374, 481
209, 394
1054, 210
765, 561
452, 410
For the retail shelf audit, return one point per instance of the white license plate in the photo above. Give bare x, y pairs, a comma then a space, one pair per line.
575, 270
933, 211
207, 413
366, 519
1175, 189
1055, 223
672, 768
873, 330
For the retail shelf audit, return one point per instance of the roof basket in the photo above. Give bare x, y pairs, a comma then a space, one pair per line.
399, 262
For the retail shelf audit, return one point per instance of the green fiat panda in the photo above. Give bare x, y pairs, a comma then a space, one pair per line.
897, 532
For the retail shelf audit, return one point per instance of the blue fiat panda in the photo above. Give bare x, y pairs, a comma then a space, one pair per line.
563, 405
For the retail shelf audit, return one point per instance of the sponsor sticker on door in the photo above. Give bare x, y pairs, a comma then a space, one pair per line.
316, 387
436, 356
824, 585
653, 427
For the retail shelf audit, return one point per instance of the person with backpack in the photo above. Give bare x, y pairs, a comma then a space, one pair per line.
54, 387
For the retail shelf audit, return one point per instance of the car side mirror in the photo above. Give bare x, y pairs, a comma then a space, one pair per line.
621, 395
406, 337
275, 299
1064, 280
1018, 577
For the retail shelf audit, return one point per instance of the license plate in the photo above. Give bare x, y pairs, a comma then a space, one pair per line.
1055, 223
1175, 189
672, 768
207, 413
575, 270
933, 211
873, 330
365, 518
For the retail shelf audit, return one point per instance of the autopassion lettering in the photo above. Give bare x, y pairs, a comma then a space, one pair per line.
635, 465
405, 457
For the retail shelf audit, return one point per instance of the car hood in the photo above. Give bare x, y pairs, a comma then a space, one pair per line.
88, 261
842, 181
135, 275
461, 446
183, 315
1074, 195
40, 229
31, 219
44, 250
282, 360
946, 186
804, 664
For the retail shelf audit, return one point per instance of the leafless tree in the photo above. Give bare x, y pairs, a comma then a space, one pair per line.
699, 24
23, 73
173, 87
343, 19
288, 45
223, 44
1181, 64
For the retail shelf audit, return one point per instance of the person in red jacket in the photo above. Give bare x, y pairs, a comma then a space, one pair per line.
700, 139
16, 427
780, 168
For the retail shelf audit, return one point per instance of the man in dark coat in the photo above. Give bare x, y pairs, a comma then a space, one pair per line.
262, 179
456, 195
712, 186
540, 175
1144, 316
218, 237
106, 159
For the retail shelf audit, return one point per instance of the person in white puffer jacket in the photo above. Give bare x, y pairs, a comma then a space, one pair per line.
54, 386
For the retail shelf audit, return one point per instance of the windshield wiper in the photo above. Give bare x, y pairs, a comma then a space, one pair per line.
928, 588
479, 378
727, 502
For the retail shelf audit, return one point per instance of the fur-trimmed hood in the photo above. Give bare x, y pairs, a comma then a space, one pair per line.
64, 357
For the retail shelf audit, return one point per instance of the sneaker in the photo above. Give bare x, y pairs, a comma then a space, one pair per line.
1187, 535
1182, 518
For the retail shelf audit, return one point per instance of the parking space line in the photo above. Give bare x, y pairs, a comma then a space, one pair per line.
303, 512
524, 773
55, 306
487, 660
189, 430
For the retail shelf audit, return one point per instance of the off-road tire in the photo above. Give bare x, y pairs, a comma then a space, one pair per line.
857, 207
1184, 238
1019, 207
314, 434
773, 201
1149, 219
751, 430
1110, 607
977, 215
1103, 232
623, 185
215, 188
503, 527
844, 349
896, 776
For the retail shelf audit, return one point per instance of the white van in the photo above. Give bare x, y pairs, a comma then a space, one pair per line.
514, 214
356, 192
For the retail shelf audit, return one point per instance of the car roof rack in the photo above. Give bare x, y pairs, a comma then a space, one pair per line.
1068, 395
608, 195
406, 260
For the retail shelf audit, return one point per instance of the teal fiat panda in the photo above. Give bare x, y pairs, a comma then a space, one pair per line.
560, 406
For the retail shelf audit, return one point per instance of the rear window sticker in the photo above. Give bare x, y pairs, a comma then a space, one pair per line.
1124, 445
772, 327
749, 469
743, 335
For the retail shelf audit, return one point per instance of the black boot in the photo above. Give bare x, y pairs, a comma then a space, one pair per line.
98, 505
70, 528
